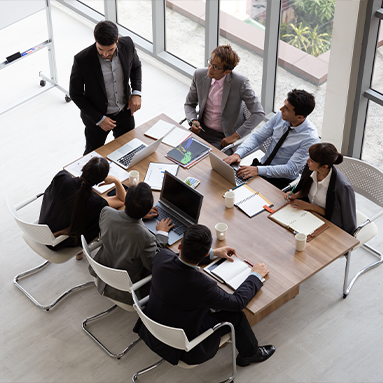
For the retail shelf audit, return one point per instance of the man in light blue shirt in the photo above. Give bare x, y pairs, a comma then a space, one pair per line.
281, 166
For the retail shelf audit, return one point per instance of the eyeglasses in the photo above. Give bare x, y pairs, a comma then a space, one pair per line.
214, 66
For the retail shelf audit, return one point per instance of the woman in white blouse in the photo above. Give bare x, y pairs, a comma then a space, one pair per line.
325, 189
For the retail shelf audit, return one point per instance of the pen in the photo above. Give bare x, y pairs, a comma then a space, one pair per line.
250, 264
195, 124
291, 192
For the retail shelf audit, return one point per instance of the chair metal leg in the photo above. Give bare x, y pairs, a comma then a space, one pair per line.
147, 369
101, 315
57, 300
347, 288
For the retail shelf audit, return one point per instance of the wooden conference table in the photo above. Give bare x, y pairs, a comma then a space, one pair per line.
256, 239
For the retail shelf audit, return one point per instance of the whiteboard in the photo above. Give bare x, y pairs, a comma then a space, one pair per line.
12, 11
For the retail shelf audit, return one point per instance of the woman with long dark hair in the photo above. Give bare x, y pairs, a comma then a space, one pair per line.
70, 207
325, 189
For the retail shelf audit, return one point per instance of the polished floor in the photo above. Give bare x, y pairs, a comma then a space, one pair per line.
319, 336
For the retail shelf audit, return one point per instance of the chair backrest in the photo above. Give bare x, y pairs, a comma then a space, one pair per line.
118, 279
40, 233
366, 179
173, 337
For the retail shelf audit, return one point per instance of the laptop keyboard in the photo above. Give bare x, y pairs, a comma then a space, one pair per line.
239, 180
125, 160
179, 228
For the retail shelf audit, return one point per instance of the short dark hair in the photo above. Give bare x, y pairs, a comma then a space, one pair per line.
302, 101
229, 58
196, 243
138, 200
106, 33
325, 153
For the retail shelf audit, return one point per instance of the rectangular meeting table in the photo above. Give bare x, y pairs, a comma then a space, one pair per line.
256, 239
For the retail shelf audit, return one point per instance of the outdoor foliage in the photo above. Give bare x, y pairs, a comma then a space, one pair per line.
311, 28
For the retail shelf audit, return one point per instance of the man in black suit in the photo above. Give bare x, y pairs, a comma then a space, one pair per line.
181, 296
99, 85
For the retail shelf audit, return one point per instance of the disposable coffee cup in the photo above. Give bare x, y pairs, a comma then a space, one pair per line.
229, 199
134, 177
221, 230
300, 241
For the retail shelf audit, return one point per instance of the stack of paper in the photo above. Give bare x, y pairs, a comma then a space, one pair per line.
173, 135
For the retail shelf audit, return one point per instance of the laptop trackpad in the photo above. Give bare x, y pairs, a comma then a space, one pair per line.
151, 224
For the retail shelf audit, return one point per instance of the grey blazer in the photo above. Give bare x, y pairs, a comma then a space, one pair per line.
127, 245
236, 89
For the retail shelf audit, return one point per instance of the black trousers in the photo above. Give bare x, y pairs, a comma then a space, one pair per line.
95, 136
245, 340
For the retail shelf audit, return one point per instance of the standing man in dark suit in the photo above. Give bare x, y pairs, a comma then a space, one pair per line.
219, 93
181, 296
99, 85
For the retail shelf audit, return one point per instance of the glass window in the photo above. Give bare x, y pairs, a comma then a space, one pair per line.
304, 51
97, 5
136, 15
185, 32
242, 26
373, 137
377, 76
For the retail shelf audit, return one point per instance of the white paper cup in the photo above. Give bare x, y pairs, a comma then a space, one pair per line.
229, 199
300, 241
134, 177
221, 230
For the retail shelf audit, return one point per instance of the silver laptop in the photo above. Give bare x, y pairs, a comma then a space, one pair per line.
133, 152
178, 201
225, 170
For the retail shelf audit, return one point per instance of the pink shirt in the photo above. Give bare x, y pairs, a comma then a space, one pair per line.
212, 113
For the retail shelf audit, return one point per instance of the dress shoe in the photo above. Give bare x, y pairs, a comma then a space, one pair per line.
263, 353
79, 256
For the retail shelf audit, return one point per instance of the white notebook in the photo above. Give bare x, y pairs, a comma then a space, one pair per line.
300, 221
173, 135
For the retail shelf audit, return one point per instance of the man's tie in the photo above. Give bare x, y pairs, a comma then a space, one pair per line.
277, 146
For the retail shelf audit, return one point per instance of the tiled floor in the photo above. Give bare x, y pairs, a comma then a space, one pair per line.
319, 336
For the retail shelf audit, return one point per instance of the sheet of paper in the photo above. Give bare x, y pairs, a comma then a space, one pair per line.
228, 270
155, 174
159, 129
176, 136
75, 168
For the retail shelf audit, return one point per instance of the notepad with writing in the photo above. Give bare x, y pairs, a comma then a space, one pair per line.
299, 221
232, 274
173, 135
249, 201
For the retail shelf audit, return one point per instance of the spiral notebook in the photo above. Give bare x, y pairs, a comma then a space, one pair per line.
250, 201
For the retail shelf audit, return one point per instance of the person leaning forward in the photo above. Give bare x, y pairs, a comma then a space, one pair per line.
181, 296
291, 129
99, 85
219, 91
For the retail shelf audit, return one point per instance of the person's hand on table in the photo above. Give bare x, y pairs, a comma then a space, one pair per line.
261, 269
107, 124
164, 225
196, 129
152, 213
134, 103
225, 252
230, 140
247, 171
109, 180
232, 159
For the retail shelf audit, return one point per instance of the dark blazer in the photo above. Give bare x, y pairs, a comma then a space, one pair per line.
181, 296
340, 198
87, 87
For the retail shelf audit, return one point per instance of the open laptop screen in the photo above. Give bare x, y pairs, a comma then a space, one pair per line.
181, 197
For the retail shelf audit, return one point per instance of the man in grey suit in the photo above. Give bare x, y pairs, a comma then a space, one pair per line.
219, 93
127, 243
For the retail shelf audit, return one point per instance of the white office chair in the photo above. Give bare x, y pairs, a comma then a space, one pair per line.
366, 180
176, 337
118, 279
37, 236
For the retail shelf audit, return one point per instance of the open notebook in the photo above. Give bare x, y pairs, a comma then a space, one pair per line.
298, 221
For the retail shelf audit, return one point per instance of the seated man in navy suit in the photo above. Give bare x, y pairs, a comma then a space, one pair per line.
181, 296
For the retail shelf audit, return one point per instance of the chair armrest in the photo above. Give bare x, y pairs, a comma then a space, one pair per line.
144, 301
199, 339
95, 244
140, 283
28, 201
